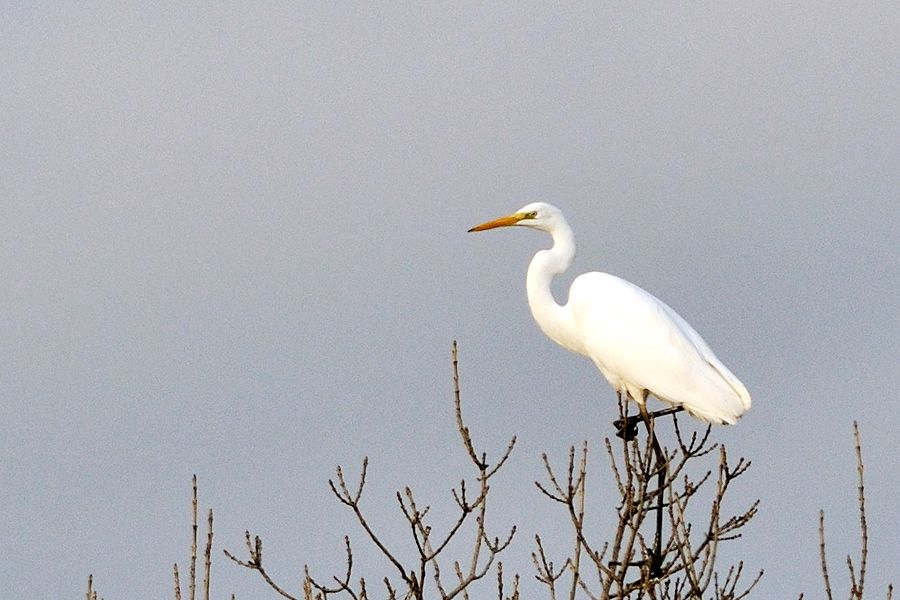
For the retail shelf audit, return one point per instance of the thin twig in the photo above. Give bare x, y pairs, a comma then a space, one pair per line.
580, 491
255, 563
352, 500
864, 530
485, 549
207, 570
177, 583
192, 584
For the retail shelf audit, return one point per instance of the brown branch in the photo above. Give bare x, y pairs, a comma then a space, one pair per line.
463, 430
208, 556
649, 478
580, 493
343, 585
352, 500
480, 462
255, 563
177, 583
515, 590
192, 583
546, 570
392, 593
857, 590
567, 496
822, 557
91, 594
485, 549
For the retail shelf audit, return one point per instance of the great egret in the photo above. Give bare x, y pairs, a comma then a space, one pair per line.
639, 344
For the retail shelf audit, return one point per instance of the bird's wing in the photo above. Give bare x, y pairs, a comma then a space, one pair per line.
639, 342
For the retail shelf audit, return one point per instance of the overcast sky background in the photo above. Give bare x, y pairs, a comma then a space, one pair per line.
233, 243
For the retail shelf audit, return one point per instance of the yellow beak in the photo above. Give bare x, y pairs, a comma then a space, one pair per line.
501, 222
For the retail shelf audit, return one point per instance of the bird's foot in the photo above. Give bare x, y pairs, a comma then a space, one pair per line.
627, 427
653, 563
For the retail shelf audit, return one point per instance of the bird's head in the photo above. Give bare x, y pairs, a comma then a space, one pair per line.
537, 215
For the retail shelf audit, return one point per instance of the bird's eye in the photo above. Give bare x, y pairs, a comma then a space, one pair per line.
531, 215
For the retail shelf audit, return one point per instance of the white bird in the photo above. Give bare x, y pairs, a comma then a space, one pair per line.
639, 344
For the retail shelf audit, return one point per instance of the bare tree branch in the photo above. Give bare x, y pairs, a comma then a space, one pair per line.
208, 556
192, 584
651, 479
429, 546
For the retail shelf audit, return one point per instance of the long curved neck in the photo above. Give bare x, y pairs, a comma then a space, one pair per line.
554, 320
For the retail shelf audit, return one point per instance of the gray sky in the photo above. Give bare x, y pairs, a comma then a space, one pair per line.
233, 244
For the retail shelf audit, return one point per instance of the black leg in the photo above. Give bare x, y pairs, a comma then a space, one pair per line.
626, 429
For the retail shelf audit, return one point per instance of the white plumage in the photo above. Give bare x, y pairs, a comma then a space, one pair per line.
637, 341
